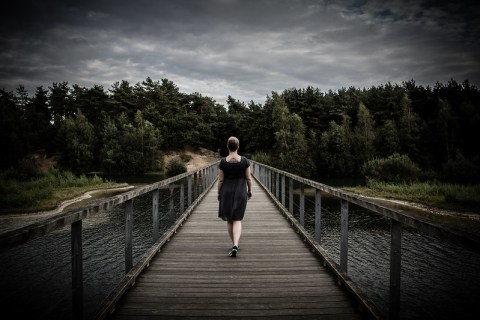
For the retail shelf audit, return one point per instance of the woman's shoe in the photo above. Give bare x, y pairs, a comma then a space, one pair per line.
233, 252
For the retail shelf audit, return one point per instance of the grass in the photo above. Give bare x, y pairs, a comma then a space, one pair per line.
46, 190
461, 198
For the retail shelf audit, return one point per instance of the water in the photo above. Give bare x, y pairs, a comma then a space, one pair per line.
36, 277
440, 279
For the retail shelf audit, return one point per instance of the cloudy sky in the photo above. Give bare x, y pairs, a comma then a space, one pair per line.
242, 48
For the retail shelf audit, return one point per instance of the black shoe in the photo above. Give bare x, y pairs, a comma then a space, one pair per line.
233, 252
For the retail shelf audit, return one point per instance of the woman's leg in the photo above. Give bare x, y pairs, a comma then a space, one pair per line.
230, 229
234, 231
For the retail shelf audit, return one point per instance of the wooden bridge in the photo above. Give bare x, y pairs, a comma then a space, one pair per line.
275, 276
281, 272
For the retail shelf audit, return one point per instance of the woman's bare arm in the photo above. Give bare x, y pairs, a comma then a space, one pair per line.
220, 181
248, 176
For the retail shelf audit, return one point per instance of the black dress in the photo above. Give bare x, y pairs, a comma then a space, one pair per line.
233, 193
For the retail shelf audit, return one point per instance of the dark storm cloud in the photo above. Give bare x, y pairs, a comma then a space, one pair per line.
241, 48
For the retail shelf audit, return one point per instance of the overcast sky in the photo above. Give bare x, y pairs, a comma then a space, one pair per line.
242, 48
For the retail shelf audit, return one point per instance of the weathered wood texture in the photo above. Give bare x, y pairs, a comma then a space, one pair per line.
275, 275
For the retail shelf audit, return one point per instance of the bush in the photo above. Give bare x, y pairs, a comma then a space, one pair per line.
185, 157
466, 195
396, 168
460, 170
175, 167
263, 158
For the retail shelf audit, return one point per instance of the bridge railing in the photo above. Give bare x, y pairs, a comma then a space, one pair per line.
276, 182
193, 186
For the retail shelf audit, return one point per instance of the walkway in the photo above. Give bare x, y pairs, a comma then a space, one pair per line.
275, 275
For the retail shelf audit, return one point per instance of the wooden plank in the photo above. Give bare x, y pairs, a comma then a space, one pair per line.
274, 275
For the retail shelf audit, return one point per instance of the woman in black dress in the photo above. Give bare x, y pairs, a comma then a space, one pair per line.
234, 189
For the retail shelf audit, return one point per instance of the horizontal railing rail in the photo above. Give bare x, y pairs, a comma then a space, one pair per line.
274, 182
198, 182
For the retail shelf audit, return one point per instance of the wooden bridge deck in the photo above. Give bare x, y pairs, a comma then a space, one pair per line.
275, 275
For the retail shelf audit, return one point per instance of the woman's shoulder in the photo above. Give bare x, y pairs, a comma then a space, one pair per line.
222, 162
245, 160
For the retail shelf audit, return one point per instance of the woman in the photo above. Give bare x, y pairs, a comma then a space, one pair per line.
234, 189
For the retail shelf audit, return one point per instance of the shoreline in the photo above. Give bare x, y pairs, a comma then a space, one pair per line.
418, 206
18, 220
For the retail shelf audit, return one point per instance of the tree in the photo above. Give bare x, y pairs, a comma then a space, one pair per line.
409, 131
334, 156
123, 99
78, 142
37, 122
150, 141
364, 137
11, 137
387, 139
131, 148
290, 141
110, 155
90, 101
59, 102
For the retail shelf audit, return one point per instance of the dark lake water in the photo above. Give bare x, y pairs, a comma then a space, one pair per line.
36, 277
440, 279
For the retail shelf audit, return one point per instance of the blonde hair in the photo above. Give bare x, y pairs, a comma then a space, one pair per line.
233, 144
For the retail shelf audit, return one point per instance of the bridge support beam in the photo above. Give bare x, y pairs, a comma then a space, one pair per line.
344, 236
156, 226
290, 195
128, 235
395, 268
302, 205
182, 197
77, 269
318, 214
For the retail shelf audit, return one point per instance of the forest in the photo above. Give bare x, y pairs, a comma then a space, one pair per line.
395, 132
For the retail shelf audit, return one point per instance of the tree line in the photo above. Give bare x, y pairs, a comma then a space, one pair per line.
343, 133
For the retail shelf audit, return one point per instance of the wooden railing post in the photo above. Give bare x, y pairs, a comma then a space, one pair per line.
77, 269
195, 185
189, 190
264, 176
283, 190
277, 185
302, 205
344, 236
128, 235
318, 214
395, 268
182, 197
155, 196
171, 187
204, 179
268, 180
290, 195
